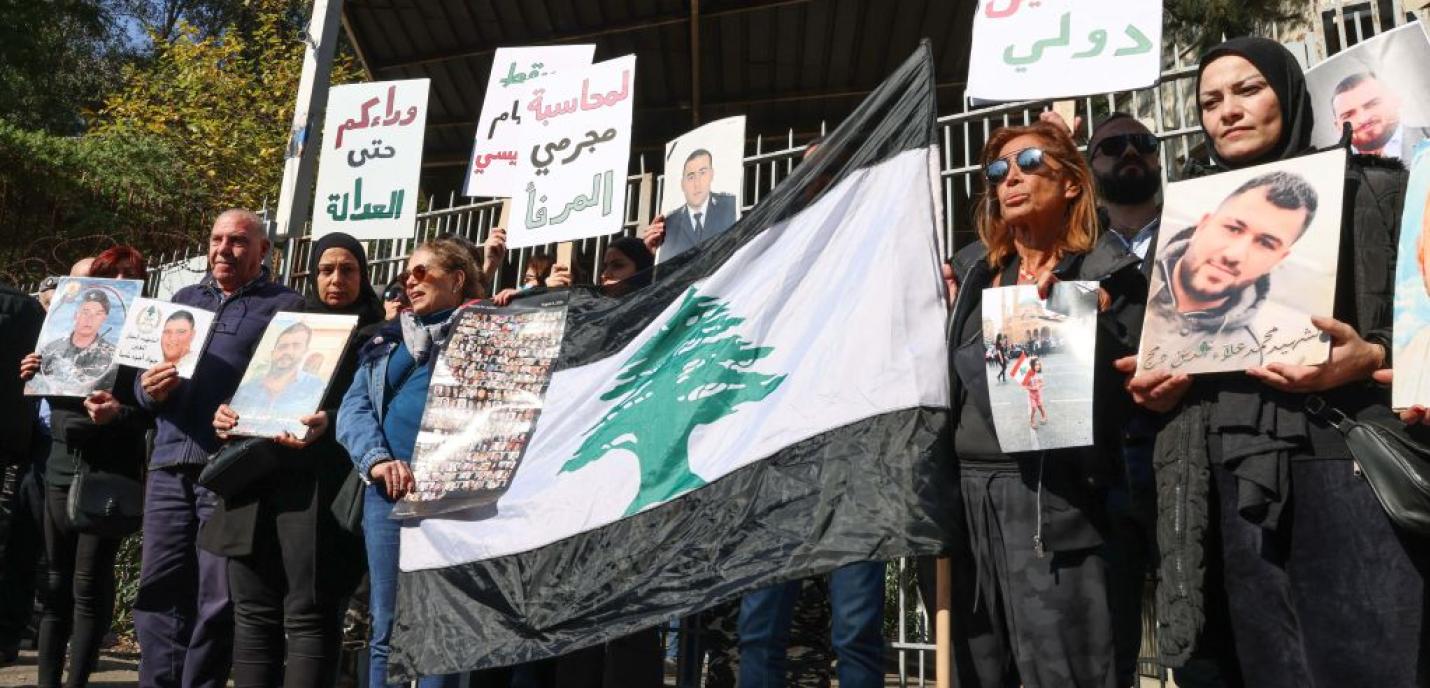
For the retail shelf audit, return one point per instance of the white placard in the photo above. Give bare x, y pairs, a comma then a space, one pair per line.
161, 332
372, 160
1038, 49
515, 71
575, 149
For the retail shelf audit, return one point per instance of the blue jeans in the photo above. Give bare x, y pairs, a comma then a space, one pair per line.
383, 536
856, 600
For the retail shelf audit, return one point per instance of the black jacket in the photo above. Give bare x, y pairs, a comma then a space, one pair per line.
20, 320
1073, 477
1364, 297
119, 446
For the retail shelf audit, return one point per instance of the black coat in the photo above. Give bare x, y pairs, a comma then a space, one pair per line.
1364, 299
20, 320
1074, 477
119, 446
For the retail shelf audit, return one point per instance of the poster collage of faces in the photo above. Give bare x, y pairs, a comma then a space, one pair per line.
486, 394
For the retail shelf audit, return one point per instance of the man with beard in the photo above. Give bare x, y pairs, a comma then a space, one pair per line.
285, 391
1216, 275
1373, 111
1125, 161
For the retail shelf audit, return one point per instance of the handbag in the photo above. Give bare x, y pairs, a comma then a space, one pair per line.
1396, 465
238, 464
106, 504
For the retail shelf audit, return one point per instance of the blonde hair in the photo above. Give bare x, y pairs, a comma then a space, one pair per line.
455, 257
1082, 224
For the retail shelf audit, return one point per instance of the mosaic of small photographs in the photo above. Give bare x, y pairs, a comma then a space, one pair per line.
78, 340
486, 394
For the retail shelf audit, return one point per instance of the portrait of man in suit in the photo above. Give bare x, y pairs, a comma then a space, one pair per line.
1373, 111
704, 214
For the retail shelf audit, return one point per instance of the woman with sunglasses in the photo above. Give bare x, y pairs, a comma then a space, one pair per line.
1322, 590
1031, 594
379, 419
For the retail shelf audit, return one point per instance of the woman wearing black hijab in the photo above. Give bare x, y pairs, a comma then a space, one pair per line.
292, 566
1321, 589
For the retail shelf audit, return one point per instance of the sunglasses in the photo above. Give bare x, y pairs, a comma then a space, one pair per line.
394, 293
1115, 146
1028, 159
420, 272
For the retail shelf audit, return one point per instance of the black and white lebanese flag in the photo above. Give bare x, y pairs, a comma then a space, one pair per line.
771, 406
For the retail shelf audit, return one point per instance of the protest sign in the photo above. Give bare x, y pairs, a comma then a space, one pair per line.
487, 392
704, 183
77, 341
575, 147
162, 332
290, 372
1040, 355
515, 72
1379, 87
1412, 290
372, 160
1039, 49
1243, 260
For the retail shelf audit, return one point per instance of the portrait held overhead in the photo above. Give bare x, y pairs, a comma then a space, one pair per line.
80, 334
1379, 91
704, 202
1242, 262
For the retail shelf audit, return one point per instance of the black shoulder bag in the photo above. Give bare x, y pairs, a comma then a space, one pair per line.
104, 503
1396, 465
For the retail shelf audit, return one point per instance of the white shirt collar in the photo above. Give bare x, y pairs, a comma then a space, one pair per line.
1394, 146
1141, 241
703, 210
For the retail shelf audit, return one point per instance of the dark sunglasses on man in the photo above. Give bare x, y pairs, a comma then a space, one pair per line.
1028, 160
1115, 146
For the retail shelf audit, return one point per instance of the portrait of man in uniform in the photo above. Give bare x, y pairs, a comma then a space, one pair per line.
82, 360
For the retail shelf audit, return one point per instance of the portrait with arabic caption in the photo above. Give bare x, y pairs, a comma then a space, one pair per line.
1243, 261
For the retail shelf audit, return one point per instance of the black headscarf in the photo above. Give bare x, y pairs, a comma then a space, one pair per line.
1283, 74
636, 250
368, 307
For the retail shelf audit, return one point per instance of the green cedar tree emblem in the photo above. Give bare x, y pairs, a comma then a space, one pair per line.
695, 371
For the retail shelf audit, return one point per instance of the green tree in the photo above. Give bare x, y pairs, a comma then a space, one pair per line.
695, 371
1201, 24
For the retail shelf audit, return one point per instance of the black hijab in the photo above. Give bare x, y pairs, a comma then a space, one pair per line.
368, 307
1283, 74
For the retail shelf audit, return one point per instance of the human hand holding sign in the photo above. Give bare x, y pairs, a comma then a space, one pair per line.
1352, 359
317, 425
159, 381
654, 233
396, 476
29, 365
1414, 414
1155, 390
102, 407
560, 277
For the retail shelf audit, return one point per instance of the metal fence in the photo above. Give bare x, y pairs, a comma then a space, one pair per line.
1169, 109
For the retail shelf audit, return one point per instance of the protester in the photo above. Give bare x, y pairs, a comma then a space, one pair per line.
394, 298
291, 565
182, 613
103, 432
20, 320
1323, 590
1030, 591
380, 415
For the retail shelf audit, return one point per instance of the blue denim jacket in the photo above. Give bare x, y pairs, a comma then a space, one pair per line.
359, 427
